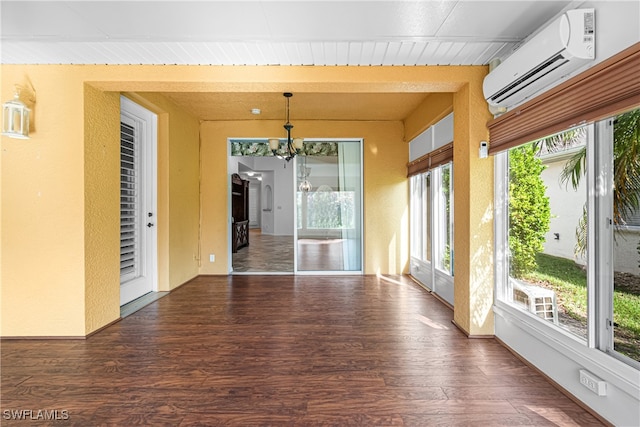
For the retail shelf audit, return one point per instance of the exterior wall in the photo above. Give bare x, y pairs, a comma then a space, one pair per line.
625, 250
566, 210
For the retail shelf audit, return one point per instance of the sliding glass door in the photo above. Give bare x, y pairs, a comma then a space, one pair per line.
305, 215
329, 208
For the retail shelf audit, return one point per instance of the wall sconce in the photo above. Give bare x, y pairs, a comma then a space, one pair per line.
15, 118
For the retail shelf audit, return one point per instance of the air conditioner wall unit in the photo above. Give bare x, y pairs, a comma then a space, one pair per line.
563, 46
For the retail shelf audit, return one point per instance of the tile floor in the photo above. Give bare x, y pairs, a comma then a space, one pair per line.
274, 254
265, 254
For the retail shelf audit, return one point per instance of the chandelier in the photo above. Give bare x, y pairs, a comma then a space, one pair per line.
293, 145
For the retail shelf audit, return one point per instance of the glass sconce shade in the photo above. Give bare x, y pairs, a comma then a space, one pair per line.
274, 144
15, 118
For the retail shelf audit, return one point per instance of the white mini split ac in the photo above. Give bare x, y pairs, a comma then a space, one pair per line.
563, 46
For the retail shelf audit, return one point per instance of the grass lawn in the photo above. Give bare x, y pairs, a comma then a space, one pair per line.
569, 281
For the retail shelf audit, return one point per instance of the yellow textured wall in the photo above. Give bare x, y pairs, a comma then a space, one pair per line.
102, 207
435, 107
473, 212
385, 187
43, 209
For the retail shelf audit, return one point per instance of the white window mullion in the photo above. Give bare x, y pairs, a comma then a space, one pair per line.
600, 220
501, 225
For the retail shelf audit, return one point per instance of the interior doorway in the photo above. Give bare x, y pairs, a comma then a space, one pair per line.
309, 208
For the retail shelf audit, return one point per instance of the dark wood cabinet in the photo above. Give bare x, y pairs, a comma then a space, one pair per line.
239, 212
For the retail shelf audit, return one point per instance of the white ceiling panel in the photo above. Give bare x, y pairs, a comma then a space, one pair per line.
298, 32
172, 20
29, 19
342, 53
498, 20
391, 53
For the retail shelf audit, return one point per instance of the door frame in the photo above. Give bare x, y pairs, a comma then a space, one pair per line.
147, 122
293, 188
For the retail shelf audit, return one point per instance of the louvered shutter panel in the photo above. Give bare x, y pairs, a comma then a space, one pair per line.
129, 203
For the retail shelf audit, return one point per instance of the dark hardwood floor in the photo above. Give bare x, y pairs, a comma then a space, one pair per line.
282, 350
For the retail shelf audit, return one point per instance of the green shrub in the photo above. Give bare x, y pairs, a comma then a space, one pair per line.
529, 211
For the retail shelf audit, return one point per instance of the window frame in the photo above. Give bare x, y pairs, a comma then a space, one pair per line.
428, 272
599, 344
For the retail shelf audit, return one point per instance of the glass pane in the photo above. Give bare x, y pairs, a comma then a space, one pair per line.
426, 215
547, 229
329, 210
626, 238
416, 216
444, 220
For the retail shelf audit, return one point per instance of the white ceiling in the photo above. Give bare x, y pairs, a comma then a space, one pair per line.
266, 32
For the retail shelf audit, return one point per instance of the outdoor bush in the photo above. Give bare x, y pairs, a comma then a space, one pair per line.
529, 211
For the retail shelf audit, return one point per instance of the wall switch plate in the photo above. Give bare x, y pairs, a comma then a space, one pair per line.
212, 258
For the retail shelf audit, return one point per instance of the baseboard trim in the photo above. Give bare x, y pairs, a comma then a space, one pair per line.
442, 300
468, 335
44, 337
104, 327
560, 388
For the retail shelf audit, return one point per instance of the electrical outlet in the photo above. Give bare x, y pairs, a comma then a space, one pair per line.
593, 383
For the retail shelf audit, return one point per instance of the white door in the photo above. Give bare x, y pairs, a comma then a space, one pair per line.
138, 231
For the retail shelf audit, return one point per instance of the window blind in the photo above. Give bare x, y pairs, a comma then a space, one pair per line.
604, 90
431, 160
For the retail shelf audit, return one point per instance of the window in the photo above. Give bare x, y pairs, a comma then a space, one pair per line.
431, 172
437, 206
622, 297
421, 216
444, 217
432, 229
573, 260
547, 275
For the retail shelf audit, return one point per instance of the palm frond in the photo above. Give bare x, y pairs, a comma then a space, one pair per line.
574, 169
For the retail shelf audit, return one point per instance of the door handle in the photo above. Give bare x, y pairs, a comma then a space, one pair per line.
150, 224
